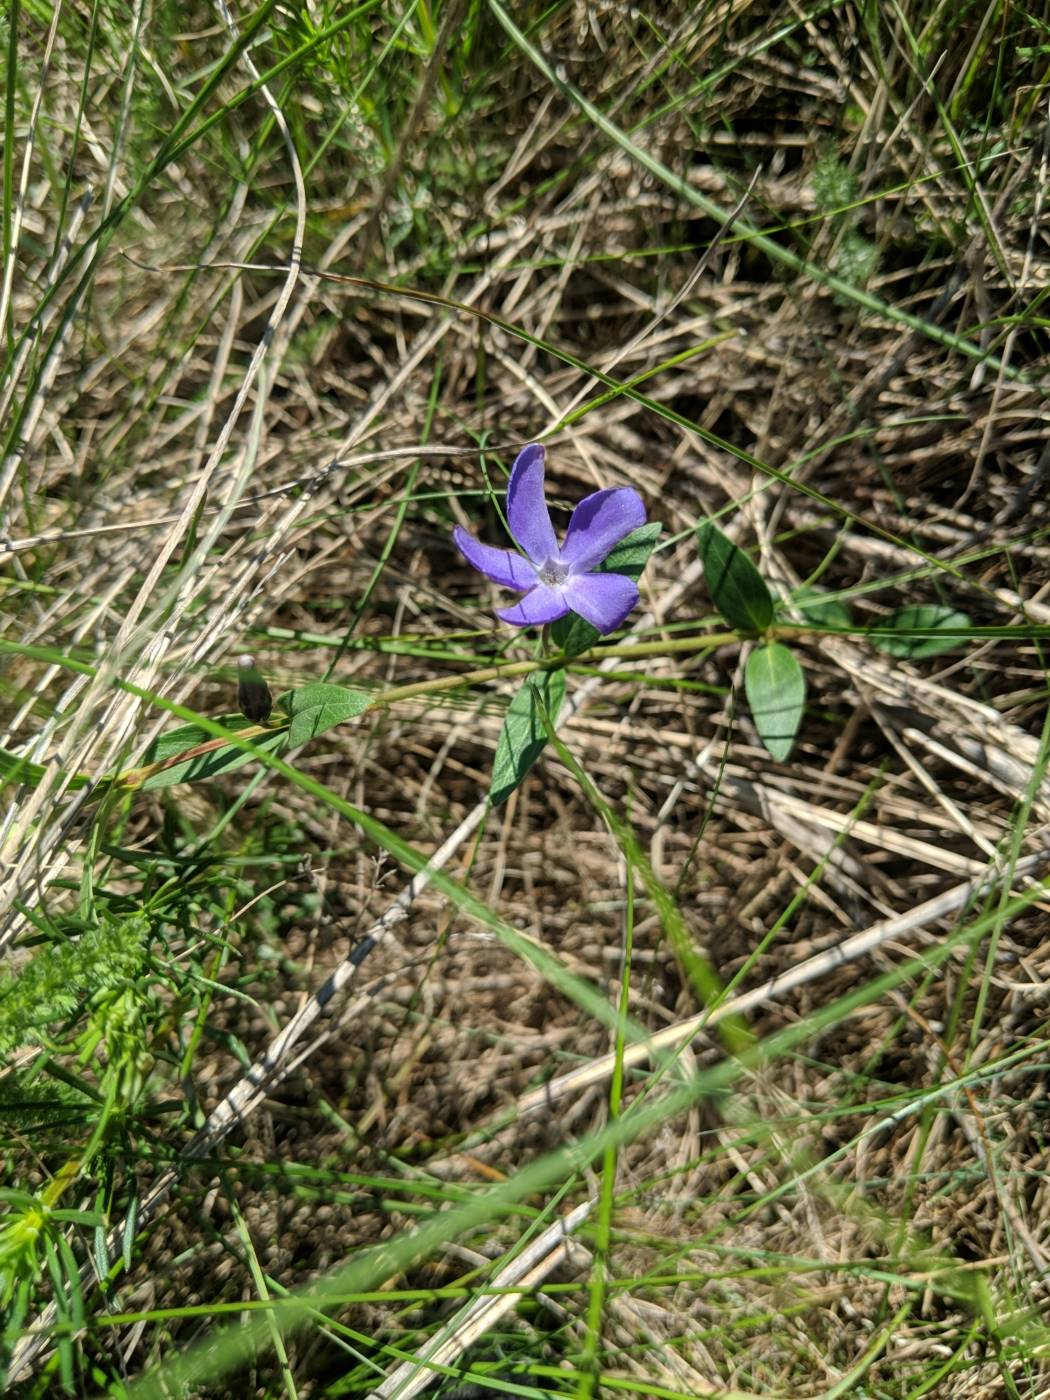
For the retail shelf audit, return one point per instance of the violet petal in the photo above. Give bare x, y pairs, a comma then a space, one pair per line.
542, 604
502, 566
527, 513
599, 523
603, 600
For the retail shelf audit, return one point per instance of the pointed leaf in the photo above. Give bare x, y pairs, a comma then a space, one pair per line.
314, 708
523, 737
736, 587
89, 1219
14, 769
209, 764
929, 617
776, 693
572, 634
127, 1234
310, 710
101, 1251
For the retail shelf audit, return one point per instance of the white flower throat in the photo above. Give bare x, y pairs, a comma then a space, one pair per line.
553, 572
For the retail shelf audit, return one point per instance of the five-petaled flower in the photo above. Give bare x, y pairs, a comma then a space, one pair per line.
559, 579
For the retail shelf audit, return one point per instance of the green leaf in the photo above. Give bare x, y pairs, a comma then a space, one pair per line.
572, 634
203, 766
127, 1234
735, 585
310, 710
523, 737
926, 617
776, 693
89, 1219
822, 611
14, 769
314, 708
19, 770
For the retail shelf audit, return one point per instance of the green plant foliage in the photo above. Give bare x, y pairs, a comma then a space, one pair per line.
33, 1104
856, 258
572, 634
736, 587
918, 619
776, 694
281, 285
309, 711
202, 766
14, 769
822, 611
523, 736
834, 184
314, 708
62, 975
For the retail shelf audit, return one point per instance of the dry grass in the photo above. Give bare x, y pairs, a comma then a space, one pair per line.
214, 449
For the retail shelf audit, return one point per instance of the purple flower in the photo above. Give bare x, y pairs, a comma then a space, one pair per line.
558, 579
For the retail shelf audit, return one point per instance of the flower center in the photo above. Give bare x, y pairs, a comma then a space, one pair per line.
553, 572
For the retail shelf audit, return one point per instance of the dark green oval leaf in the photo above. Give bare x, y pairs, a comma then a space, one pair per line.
314, 708
776, 693
523, 736
572, 634
736, 587
924, 617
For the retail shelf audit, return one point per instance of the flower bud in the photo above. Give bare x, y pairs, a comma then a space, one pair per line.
253, 694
